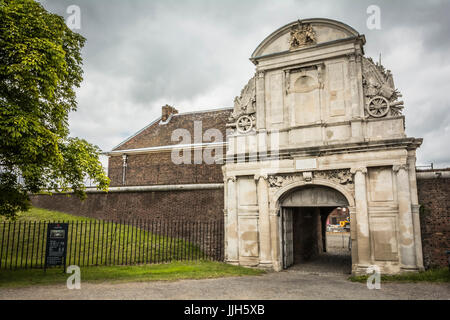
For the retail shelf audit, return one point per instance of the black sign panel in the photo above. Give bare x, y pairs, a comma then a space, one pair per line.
55, 254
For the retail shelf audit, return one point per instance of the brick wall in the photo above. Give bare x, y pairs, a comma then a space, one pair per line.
205, 205
434, 198
159, 169
189, 206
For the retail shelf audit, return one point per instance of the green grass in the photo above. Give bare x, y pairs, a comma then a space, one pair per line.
38, 214
90, 242
151, 245
432, 275
167, 272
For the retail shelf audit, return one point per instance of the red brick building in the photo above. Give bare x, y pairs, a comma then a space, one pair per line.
146, 157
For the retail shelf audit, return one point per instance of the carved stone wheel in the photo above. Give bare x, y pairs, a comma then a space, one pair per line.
244, 124
378, 106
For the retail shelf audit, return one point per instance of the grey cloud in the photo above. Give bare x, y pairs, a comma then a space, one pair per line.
194, 54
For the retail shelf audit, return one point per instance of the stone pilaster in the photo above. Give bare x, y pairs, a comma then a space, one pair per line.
405, 219
415, 208
358, 67
260, 101
356, 122
354, 87
232, 222
362, 218
264, 220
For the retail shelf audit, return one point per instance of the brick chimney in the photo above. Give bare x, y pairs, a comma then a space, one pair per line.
167, 111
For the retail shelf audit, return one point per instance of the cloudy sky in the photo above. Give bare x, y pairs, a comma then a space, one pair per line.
142, 54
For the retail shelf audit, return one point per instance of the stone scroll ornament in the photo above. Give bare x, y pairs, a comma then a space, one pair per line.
379, 90
339, 176
243, 117
302, 34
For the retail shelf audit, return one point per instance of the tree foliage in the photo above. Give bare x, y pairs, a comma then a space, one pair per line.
40, 67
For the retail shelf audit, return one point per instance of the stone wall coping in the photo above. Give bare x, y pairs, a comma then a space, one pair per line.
435, 174
172, 187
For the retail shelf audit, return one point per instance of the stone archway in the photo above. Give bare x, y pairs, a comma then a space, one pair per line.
303, 214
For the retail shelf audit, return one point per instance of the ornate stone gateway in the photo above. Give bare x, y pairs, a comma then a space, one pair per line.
320, 125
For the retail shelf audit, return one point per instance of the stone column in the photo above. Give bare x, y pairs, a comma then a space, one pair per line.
405, 219
362, 218
264, 221
415, 209
232, 239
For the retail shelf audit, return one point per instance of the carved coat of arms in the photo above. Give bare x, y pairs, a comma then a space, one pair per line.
302, 34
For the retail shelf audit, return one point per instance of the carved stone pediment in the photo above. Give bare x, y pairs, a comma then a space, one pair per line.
379, 90
302, 34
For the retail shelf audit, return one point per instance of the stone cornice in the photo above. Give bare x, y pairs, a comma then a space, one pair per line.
341, 148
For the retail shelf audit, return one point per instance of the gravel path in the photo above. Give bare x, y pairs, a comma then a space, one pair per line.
291, 284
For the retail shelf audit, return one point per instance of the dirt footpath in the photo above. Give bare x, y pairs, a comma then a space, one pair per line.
290, 285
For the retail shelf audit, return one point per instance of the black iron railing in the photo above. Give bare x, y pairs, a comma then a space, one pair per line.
102, 242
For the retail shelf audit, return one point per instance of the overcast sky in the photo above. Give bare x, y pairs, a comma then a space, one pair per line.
142, 54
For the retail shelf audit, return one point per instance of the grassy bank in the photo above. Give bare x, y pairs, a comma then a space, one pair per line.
94, 242
433, 275
38, 214
112, 274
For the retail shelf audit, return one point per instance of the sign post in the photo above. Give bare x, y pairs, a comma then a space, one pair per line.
56, 249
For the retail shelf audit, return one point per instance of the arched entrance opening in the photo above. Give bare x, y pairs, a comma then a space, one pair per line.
315, 228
